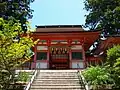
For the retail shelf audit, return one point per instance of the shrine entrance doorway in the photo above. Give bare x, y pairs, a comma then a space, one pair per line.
59, 57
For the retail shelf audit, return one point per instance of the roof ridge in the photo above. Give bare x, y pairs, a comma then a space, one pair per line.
58, 26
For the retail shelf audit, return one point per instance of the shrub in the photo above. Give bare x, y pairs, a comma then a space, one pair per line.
113, 54
113, 64
97, 76
23, 77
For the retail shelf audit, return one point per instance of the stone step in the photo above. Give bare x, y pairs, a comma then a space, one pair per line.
69, 79
57, 87
50, 84
40, 83
57, 73
58, 82
57, 78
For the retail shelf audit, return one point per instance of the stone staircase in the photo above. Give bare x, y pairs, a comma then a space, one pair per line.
57, 80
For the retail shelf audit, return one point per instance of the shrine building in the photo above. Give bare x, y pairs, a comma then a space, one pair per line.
62, 46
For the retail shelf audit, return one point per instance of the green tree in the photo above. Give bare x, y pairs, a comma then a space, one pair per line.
19, 9
113, 64
12, 54
97, 76
113, 54
103, 14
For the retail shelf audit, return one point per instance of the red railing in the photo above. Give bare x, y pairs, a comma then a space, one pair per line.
93, 60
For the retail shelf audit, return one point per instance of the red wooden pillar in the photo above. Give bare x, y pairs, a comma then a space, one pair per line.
48, 53
70, 58
84, 59
34, 59
83, 52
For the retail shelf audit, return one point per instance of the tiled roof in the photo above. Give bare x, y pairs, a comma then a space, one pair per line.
59, 28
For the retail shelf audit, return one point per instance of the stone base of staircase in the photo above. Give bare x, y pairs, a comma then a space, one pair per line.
57, 80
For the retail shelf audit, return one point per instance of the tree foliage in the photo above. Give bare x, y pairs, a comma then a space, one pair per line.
19, 9
113, 64
113, 54
12, 54
97, 76
103, 14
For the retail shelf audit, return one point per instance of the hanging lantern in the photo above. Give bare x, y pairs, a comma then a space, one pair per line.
52, 49
63, 51
56, 49
54, 52
59, 52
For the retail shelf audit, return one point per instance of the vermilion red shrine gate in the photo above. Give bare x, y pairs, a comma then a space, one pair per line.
62, 47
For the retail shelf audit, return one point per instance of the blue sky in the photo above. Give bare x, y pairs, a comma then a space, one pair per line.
58, 12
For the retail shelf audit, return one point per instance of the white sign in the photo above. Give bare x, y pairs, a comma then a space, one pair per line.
76, 47
42, 47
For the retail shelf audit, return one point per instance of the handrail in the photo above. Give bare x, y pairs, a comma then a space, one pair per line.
38, 66
84, 81
82, 78
37, 69
78, 66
